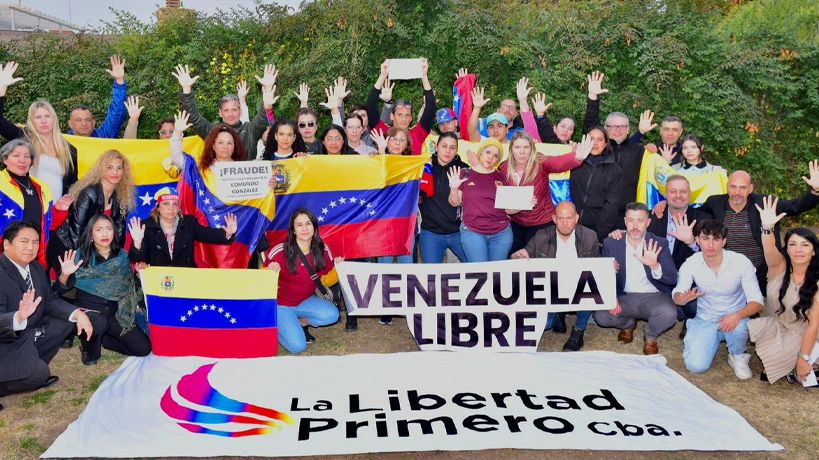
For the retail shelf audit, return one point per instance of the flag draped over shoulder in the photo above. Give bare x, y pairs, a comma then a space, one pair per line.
197, 196
654, 172
366, 206
12, 203
191, 313
558, 182
146, 157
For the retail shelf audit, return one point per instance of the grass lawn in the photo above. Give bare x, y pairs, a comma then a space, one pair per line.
785, 414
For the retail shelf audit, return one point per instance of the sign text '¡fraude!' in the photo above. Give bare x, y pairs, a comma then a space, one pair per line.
502, 306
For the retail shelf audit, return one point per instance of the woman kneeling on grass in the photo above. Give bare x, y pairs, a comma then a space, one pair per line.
298, 260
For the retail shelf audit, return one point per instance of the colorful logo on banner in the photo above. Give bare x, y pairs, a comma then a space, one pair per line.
195, 388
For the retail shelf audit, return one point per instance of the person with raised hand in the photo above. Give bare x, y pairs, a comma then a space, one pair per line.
558, 134
229, 108
222, 144
727, 294
693, 162
55, 160
786, 337
523, 89
401, 112
166, 237
81, 121
134, 112
527, 167
497, 123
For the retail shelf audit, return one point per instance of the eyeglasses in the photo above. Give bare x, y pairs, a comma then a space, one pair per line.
617, 126
309, 124
334, 139
509, 107
165, 132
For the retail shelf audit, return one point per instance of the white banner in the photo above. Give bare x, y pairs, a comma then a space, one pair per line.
321, 405
497, 306
242, 180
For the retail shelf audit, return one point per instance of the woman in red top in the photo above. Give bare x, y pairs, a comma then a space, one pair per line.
298, 307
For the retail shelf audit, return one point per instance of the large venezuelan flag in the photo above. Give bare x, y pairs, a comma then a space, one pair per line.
11, 208
366, 206
654, 172
191, 313
558, 182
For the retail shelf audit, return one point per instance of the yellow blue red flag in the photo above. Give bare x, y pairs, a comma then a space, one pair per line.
654, 171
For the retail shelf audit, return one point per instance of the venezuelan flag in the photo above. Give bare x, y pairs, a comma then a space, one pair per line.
654, 172
366, 206
11, 208
191, 313
558, 182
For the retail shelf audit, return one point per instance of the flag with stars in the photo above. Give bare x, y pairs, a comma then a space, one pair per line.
366, 206
12, 203
210, 312
462, 102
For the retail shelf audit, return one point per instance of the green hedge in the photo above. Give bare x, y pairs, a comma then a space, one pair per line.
746, 78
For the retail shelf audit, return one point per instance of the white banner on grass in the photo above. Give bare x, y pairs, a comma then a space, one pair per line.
322, 405
497, 306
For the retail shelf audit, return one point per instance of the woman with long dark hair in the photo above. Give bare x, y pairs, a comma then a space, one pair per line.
104, 280
302, 261
284, 141
787, 335
334, 142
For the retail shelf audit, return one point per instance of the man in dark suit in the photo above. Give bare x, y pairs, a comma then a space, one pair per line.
33, 320
737, 211
645, 277
564, 240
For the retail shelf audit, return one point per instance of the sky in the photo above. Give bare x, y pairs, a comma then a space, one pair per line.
91, 13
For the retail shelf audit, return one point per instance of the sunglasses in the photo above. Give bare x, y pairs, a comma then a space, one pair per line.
309, 124
165, 132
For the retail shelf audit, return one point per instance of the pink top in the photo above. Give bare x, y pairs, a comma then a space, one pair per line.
478, 195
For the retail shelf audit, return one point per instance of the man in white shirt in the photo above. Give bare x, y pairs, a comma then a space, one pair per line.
645, 277
727, 295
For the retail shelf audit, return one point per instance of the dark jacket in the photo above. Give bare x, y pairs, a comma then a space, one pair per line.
595, 185
18, 354
249, 133
154, 247
90, 202
617, 249
10, 131
546, 130
544, 243
716, 205
437, 215
659, 227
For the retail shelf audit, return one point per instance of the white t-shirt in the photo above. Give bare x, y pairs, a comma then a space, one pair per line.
51, 172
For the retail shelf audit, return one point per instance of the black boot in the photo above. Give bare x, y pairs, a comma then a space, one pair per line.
575, 342
352, 324
68, 342
385, 320
559, 326
684, 329
307, 335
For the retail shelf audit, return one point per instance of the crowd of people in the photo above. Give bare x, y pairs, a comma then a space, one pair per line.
70, 250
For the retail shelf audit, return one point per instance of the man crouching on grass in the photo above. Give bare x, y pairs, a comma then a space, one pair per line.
727, 295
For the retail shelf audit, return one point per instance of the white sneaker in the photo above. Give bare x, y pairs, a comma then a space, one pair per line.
739, 363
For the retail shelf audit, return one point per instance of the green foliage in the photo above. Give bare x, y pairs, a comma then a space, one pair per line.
744, 77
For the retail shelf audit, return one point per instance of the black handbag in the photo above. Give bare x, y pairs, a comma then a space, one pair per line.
322, 291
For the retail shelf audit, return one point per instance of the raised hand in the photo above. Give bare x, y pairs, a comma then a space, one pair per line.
659, 209
646, 122
667, 152
137, 230
67, 265
385, 69
462, 72
767, 213
341, 89
380, 140
539, 104
117, 71
386, 91
583, 149
333, 101
454, 177
183, 76
523, 89
180, 122
231, 225
303, 94
269, 97
242, 90
269, 76
685, 230
28, 304
425, 73
651, 254
477, 97
133, 108
813, 179
596, 85
682, 298
7, 77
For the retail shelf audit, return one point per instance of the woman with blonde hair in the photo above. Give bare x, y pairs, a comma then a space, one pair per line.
107, 188
55, 160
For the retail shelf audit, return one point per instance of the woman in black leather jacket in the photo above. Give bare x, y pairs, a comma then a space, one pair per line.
108, 188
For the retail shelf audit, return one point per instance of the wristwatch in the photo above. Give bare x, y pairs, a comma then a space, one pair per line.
767, 232
804, 356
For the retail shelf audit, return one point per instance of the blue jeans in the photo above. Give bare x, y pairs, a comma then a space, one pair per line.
318, 313
581, 322
433, 246
702, 342
484, 248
